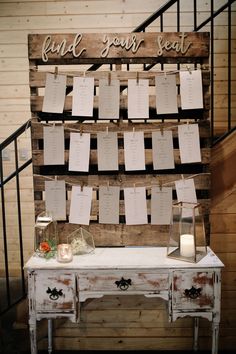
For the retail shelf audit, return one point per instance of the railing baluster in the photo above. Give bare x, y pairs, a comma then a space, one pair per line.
19, 217
212, 69
4, 233
229, 68
194, 14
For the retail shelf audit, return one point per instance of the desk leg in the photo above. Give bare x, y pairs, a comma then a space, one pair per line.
33, 336
215, 337
195, 334
50, 336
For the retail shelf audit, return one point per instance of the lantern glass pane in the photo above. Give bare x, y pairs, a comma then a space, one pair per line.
187, 233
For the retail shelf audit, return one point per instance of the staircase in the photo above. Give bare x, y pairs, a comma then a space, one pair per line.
223, 137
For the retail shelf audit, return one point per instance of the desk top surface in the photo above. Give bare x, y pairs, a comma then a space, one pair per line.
125, 258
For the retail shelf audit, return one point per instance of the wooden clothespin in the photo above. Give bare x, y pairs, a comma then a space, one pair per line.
137, 78
108, 185
55, 72
119, 177
82, 186
133, 131
109, 79
162, 130
189, 70
107, 129
81, 130
134, 188
160, 184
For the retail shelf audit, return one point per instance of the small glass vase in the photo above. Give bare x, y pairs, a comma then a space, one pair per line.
46, 239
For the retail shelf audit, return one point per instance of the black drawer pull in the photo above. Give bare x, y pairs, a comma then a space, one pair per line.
54, 293
193, 293
123, 284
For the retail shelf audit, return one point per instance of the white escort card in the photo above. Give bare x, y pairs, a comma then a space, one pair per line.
107, 150
138, 98
191, 89
80, 206
189, 143
109, 99
161, 205
109, 198
83, 96
53, 145
186, 192
79, 152
135, 206
162, 150
55, 199
134, 151
55, 93
166, 94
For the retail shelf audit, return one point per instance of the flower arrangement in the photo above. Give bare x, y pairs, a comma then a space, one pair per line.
47, 249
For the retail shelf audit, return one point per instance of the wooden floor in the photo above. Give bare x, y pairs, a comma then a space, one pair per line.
132, 352
16, 341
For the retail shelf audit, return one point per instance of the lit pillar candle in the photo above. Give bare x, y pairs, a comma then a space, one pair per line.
64, 253
187, 248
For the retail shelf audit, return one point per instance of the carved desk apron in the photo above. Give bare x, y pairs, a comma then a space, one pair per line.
191, 289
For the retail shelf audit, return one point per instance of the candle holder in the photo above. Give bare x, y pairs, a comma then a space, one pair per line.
187, 240
64, 253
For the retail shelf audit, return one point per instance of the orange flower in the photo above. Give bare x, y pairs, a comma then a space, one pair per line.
44, 247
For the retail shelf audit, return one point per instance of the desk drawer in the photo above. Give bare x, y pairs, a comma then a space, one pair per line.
54, 291
193, 290
122, 281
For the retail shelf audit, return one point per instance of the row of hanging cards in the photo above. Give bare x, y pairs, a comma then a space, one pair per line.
135, 202
191, 95
134, 148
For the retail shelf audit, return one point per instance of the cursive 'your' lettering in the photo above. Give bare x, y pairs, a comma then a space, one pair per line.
128, 43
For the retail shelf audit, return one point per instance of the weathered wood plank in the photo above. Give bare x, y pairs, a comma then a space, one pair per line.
40, 207
37, 103
38, 78
226, 225
202, 181
38, 157
108, 47
226, 242
147, 128
119, 343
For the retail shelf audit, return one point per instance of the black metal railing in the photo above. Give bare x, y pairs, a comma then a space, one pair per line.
209, 21
159, 14
12, 291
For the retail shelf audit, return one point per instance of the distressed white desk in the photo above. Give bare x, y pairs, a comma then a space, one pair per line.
57, 289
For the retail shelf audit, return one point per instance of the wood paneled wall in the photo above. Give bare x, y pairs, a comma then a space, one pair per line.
126, 331
223, 230
19, 18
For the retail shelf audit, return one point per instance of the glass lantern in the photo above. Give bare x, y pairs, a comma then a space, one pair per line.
81, 241
45, 235
187, 240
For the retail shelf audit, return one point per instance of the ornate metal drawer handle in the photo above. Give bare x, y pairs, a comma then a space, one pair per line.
54, 293
123, 284
193, 293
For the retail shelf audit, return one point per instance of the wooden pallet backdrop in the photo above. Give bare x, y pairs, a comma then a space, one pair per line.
123, 322
122, 234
